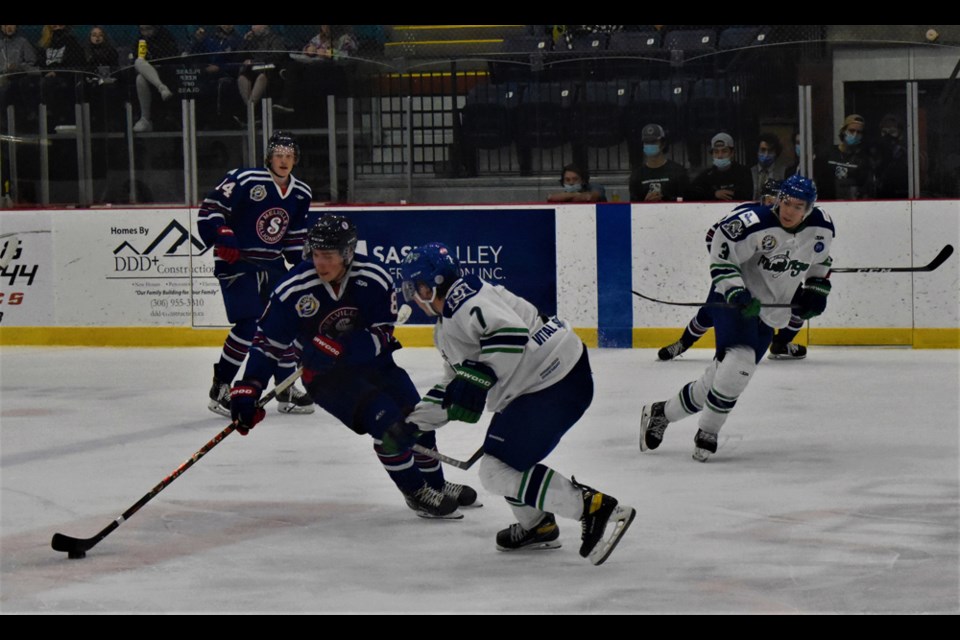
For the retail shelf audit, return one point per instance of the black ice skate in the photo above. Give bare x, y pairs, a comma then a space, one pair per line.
430, 503
464, 495
653, 423
787, 351
704, 444
219, 396
543, 535
600, 510
293, 400
671, 351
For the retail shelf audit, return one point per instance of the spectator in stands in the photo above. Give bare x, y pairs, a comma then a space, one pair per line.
264, 53
153, 66
727, 180
577, 187
313, 73
658, 178
890, 157
99, 51
768, 166
850, 174
17, 57
215, 53
61, 59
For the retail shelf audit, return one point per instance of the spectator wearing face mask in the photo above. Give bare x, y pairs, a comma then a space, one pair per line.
850, 174
727, 180
577, 188
657, 179
768, 166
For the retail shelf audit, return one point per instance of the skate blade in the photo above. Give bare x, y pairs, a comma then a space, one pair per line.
218, 409
539, 546
619, 522
644, 423
292, 408
455, 515
777, 356
701, 455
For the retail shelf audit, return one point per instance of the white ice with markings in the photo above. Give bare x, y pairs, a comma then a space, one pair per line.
835, 489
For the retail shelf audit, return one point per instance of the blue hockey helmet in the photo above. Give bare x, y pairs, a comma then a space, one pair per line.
282, 140
432, 265
801, 188
332, 232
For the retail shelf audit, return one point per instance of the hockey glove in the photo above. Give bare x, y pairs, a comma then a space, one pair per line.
812, 300
466, 395
226, 245
243, 405
749, 306
399, 437
320, 356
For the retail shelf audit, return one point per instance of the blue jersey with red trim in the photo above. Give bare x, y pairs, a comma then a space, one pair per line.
303, 306
269, 223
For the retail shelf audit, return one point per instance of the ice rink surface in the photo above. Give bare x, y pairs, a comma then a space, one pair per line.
835, 489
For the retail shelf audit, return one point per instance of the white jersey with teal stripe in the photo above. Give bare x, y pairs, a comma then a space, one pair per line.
752, 250
489, 324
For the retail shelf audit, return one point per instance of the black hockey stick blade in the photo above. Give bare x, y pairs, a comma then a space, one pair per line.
436, 455
940, 258
76, 548
715, 305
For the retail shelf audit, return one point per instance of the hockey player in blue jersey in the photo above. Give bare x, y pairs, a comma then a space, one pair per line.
338, 308
778, 255
781, 348
533, 372
255, 218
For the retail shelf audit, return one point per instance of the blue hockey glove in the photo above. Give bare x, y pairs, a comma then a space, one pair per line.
399, 437
812, 300
466, 395
320, 356
243, 405
226, 245
749, 306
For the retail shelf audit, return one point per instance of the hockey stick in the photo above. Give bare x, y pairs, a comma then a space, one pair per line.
712, 305
77, 547
436, 455
940, 258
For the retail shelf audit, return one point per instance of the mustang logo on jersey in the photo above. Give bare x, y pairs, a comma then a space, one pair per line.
780, 264
272, 225
258, 193
458, 294
307, 306
769, 243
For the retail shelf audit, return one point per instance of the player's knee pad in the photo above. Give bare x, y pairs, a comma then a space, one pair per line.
734, 373
244, 329
498, 477
375, 415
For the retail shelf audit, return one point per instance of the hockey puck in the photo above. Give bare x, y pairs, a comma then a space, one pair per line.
76, 555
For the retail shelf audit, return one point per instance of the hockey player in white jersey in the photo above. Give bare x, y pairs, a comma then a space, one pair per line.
759, 255
533, 372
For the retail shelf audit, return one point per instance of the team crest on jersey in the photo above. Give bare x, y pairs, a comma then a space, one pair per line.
258, 193
458, 294
272, 225
307, 306
769, 243
340, 320
733, 229
818, 247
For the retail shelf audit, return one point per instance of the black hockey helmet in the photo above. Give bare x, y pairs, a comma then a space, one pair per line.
281, 139
332, 232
